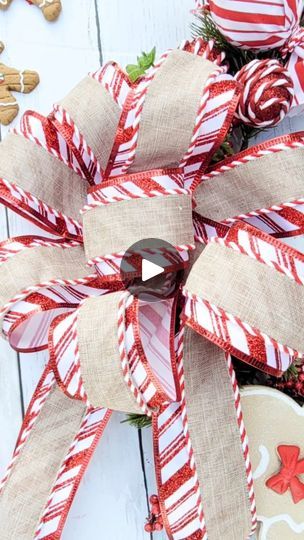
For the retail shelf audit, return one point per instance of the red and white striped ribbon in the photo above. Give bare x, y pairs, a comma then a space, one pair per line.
281, 220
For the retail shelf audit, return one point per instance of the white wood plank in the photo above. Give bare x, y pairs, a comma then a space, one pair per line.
150, 471
127, 28
10, 410
61, 52
288, 125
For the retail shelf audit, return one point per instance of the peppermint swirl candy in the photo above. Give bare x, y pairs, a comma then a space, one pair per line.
267, 94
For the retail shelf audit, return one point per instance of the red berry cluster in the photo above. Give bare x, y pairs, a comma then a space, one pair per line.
154, 521
294, 385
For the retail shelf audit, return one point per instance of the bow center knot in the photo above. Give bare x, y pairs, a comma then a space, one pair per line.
287, 473
295, 42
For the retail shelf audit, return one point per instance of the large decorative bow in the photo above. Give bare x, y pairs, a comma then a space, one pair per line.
256, 25
287, 478
113, 352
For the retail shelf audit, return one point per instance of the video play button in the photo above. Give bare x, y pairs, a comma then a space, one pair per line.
152, 269
149, 269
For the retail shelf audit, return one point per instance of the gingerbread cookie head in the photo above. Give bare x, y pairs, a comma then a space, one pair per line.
275, 428
17, 81
50, 8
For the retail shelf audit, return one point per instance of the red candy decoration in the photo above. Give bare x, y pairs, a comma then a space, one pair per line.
267, 93
256, 24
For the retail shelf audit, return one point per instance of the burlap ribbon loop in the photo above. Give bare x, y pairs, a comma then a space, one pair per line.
168, 218
114, 369
154, 161
271, 197
246, 300
33, 268
99, 354
170, 111
219, 197
97, 118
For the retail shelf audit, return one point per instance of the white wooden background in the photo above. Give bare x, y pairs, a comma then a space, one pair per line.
112, 502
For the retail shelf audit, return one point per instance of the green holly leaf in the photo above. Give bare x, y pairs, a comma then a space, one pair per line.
134, 71
144, 62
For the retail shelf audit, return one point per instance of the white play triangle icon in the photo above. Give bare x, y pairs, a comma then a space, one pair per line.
150, 270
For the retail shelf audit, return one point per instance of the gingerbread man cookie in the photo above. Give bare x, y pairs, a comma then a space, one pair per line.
50, 8
275, 428
17, 81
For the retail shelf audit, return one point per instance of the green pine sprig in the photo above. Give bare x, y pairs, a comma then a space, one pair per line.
206, 28
144, 62
139, 421
224, 151
291, 373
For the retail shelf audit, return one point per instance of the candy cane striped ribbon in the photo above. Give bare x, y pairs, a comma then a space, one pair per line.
278, 206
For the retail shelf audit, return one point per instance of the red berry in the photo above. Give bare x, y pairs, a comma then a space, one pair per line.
148, 528
154, 499
301, 377
158, 526
289, 384
155, 508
